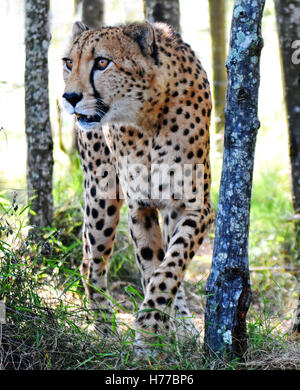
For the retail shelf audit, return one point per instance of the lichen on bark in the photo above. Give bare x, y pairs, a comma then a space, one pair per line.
228, 286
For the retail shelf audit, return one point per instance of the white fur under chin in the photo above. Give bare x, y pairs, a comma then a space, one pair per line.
88, 126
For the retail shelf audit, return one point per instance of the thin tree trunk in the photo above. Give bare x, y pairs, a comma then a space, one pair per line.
228, 286
288, 26
93, 13
165, 11
218, 37
38, 130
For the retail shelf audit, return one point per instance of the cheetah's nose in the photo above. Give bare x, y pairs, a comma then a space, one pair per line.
72, 97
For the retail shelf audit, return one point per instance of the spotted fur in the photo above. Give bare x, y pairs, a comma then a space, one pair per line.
151, 104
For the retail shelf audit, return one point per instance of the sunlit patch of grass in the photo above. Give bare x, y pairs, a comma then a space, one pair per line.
272, 246
271, 211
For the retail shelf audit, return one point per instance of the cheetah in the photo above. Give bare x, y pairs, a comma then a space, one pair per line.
141, 99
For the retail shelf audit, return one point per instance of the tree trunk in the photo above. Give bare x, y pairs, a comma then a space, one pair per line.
288, 26
93, 13
228, 286
166, 11
38, 130
218, 38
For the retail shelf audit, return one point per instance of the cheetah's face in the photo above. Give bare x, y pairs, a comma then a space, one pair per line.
108, 74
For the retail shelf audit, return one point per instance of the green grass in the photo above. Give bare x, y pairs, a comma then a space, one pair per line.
49, 325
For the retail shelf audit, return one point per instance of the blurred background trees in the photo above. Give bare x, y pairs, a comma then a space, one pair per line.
217, 23
288, 26
166, 11
92, 13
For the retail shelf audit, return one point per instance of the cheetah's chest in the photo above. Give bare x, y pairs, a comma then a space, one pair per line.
142, 163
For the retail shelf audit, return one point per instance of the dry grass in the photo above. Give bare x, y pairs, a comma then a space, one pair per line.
275, 355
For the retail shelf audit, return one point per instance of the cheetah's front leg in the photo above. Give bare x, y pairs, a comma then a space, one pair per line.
101, 216
100, 222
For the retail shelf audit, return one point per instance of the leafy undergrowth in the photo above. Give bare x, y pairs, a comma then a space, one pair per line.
49, 326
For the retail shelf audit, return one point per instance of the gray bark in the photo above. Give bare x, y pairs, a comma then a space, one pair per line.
37, 122
288, 26
228, 285
165, 11
93, 13
217, 16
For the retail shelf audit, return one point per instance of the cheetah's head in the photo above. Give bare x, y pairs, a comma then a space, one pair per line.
109, 74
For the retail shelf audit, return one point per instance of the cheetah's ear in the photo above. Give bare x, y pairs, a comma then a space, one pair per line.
143, 35
78, 28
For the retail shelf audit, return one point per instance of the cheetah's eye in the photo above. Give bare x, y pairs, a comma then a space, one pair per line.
68, 63
102, 63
